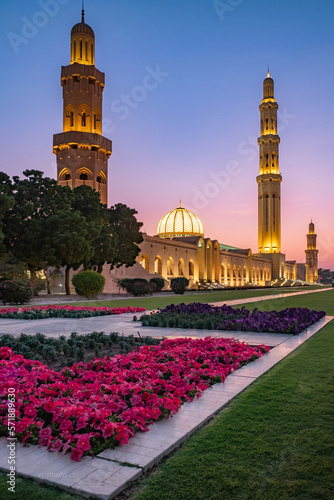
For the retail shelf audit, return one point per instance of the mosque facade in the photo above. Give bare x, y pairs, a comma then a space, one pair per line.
180, 247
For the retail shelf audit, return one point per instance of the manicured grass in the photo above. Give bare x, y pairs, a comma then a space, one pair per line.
323, 301
164, 300
27, 489
274, 441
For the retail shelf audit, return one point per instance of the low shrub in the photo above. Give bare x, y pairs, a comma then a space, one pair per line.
89, 284
16, 291
179, 285
159, 282
138, 286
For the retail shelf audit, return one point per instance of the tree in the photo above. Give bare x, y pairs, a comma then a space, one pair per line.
36, 199
87, 202
125, 226
71, 237
6, 202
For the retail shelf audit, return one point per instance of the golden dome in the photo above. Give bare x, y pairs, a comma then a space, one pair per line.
180, 222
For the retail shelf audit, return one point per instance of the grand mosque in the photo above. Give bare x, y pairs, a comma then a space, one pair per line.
180, 247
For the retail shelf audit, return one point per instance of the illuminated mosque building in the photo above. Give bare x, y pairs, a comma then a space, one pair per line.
180, 247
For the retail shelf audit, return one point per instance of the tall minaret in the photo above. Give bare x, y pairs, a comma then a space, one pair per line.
312, 252
82, 152
269, 180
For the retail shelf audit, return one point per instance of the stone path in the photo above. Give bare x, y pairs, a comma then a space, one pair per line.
111, 471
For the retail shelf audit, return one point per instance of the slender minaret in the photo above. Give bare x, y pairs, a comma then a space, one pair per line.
269, 180
82, 152
312, 252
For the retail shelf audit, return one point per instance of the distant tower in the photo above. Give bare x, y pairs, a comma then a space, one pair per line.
312, 252
82, 152
269, 180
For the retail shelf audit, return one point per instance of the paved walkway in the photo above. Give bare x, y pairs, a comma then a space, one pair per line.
123, 323
110, 472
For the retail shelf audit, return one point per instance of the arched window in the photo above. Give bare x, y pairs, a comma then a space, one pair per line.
239, 272
144, 262
80, 49
222, 273
170, 267
234, 271
83, 119
67, 177
191, 269
86, 50
158, 265
83, 177
181, 267
74, 50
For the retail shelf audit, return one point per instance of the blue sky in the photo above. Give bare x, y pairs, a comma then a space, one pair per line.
202, 115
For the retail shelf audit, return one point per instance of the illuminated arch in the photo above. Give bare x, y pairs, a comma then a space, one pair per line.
84, 113
97, 121
144, 262
101, 178
191, 269
170, 267
158, 265
222, 273
65, 175
69, 118
83, 176
180, 268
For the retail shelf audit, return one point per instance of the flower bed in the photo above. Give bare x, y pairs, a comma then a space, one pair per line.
204, 316
57, 353
90, 407
52, 311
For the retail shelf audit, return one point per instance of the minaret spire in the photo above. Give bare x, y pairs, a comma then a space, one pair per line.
83, 12
269, 195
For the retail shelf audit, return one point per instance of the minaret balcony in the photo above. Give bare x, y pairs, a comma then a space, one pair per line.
265, 138
269, 178
95, 141
77, 69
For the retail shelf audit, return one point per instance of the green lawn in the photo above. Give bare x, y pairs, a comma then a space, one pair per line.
274, 441
322, 301
164, 300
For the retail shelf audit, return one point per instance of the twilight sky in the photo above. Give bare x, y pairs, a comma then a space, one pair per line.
192, 134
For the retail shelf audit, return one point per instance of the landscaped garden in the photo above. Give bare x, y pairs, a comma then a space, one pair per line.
273, 441
208, 317
87, 408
